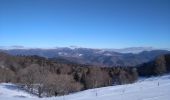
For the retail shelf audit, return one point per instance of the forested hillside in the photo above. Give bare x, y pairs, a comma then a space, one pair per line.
50, 78
159, 66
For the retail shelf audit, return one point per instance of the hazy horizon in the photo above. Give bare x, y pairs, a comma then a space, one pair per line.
72, 47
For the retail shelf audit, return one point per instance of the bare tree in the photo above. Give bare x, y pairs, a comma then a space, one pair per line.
6, 75
61, 84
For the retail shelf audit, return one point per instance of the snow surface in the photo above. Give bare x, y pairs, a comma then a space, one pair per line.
11, 90
155, 88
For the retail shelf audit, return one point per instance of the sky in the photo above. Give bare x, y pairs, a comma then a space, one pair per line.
85, 23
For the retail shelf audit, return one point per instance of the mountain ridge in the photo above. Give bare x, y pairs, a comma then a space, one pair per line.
90, 56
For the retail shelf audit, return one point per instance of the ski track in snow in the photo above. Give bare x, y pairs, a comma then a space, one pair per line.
155, 88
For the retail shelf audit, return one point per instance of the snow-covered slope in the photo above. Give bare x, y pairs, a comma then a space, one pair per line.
156, 88
13, 91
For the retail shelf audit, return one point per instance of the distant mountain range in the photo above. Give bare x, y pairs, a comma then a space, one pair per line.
104, 57
122, 50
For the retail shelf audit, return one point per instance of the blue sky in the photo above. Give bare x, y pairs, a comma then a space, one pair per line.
85, 23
